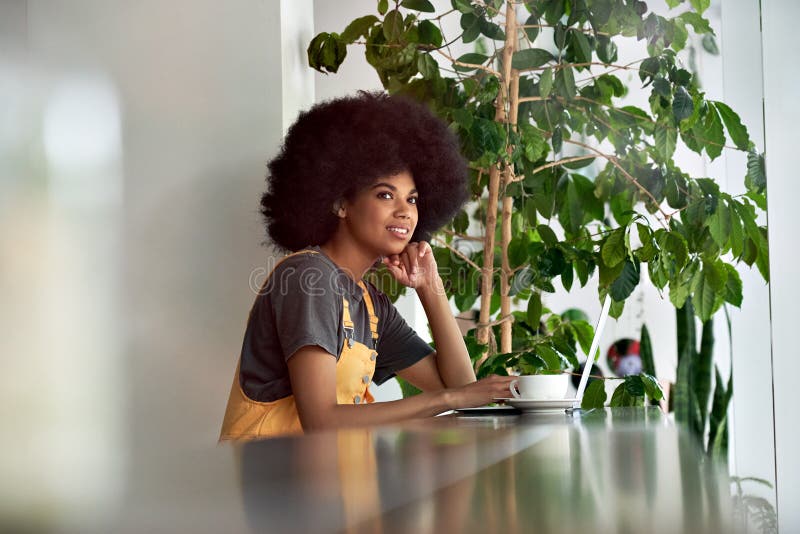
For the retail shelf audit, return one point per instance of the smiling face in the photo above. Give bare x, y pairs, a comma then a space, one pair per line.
382, 217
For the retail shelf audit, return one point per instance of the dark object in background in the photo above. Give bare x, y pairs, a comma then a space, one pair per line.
576, 378
624, 357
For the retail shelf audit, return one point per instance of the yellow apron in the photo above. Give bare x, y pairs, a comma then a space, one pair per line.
247, 419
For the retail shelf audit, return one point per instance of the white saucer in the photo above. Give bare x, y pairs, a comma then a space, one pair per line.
529, 405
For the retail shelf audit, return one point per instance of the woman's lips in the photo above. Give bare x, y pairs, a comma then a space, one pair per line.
400, 232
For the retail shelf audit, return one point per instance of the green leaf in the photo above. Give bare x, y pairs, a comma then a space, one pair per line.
546, 82
584, 333
532, 33
702, 371
530, 58
621, 397
682, 104
530, 363
560, 36
358, 28
647, 251
700, 5
547, 234
582, 270
623, 286
613, 250
719, 224
429, 33
649, 69
681, 285
733, 124
646, 352
464, 6
662, 87
488, 135
580, 44
737, 232
553, 360
471, 26
674, 3
521, 281
534, 313
733, 286
326, 52
594, 396
419, 5
675, 244
666, 139
606, 49
565, 82
461, 222
383, 6
393, 25
634, 385
571, 214
427, 66
652, 387
616, 309
491, 30
557, 139
713, 136
697, 22
472, 58
567, 277
756, 179
518, 250
706, 299
710, 45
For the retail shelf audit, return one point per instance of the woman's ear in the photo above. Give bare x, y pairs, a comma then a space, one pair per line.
339, 209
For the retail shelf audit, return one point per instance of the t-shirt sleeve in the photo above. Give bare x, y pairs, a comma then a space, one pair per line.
306, 305
399, 346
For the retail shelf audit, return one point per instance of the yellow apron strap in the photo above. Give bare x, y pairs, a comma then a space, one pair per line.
373, 319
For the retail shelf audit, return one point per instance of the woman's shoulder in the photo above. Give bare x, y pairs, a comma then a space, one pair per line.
308, 258
309, 272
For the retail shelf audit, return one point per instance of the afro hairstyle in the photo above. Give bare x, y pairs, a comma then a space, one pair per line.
341, 146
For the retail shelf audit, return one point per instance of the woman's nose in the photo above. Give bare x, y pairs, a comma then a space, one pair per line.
403, 210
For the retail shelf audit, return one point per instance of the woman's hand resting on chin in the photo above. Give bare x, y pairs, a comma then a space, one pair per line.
415, 267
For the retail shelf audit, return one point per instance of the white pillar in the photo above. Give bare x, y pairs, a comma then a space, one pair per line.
781, 118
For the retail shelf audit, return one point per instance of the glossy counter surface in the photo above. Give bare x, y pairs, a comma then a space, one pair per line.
614, 471
622, 470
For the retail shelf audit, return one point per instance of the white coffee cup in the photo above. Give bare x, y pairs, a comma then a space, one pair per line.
540, 387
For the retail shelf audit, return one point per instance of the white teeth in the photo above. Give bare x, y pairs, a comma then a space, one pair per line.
397, 230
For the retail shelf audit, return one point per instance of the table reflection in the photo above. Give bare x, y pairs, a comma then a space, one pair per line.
607, 471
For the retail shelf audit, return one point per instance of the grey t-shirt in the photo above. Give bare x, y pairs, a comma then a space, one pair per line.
301, 305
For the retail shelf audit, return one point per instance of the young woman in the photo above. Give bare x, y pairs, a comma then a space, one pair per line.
359, 180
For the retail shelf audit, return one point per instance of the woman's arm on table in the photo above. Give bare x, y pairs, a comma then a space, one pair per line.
313, 374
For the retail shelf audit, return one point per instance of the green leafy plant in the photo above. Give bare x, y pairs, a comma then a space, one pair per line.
568, 182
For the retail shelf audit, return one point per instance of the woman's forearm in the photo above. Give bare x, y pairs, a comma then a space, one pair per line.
347, 415
452, 358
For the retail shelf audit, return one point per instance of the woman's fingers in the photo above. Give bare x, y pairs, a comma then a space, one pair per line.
424, 248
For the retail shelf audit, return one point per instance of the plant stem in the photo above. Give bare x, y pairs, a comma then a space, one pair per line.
511, 75
554, 164
470, 65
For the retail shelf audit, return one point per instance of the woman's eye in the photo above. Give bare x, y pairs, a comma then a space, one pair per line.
385, 194
413, 200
